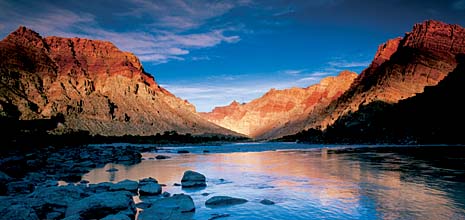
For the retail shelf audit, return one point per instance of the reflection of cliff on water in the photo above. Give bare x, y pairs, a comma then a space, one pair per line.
386, 183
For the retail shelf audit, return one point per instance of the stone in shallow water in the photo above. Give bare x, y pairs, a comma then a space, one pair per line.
224, 201
217, 216
101, 205
166, 194
193, 179
161, 157
267, 202
127, 185
179, 206
150, 189
147, 180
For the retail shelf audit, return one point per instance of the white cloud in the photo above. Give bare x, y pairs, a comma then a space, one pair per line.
152, 45
293, 72
222, 89
348, 64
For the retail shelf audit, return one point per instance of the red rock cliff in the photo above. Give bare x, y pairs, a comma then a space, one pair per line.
95, 85
278, 107
401, 68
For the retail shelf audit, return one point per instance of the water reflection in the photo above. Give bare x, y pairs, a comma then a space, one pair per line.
366, 183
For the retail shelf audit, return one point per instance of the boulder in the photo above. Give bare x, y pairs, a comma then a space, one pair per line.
179, 206
56, 196
147, 180
18, 212
101, 205
126, 185
193, 179
224, 201
150, 189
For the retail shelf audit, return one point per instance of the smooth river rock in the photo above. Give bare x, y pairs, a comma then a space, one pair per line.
179, 206
101, 205
193, 179
150, 189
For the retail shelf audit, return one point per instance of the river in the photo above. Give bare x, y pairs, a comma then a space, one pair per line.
312, 181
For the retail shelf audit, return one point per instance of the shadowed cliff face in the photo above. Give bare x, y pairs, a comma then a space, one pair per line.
278, 107
97, 87
401, 68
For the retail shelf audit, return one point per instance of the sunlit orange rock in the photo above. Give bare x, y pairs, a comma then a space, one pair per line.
401, 68
98, 88
278, 107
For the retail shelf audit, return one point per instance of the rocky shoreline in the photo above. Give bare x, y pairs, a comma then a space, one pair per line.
29, 180
29, 187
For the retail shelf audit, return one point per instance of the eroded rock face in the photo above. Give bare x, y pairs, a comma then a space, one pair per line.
97, 87
401, 68
278, 107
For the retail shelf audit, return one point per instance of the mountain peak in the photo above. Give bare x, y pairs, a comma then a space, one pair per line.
436, 36
26, 37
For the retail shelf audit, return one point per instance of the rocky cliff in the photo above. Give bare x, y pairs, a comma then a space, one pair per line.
278, 107
97, 87
401, 68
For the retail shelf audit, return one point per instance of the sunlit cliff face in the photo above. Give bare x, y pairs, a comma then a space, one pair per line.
278, 107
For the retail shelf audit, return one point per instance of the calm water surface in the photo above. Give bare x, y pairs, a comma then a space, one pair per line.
313, 182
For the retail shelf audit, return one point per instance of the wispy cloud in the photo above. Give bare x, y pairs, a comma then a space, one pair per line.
293, 72
187, 14
222, 89
348, 64
178, 36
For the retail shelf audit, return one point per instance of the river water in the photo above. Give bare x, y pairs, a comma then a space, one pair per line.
312, 181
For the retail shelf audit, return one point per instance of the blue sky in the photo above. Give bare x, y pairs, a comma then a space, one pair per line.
213, 52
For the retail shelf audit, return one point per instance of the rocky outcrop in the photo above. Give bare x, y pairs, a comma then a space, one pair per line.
97, 87
278, 107
401, 68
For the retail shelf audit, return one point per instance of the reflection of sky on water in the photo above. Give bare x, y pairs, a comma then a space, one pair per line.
306, 184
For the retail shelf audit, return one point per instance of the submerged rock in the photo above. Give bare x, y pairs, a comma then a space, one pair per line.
224, 201
193, 179
112, 170
217, 216
101, 205
162, 157
267, 202
179, 206
166, 194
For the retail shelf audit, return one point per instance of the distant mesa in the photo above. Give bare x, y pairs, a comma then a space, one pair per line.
94, 85
278, 107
